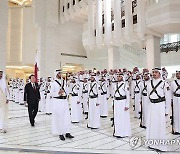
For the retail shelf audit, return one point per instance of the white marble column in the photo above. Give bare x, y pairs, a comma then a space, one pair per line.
128, 20
141, 18
91, 24
3, 33
108, 25
117, 21
113, 57
99, 35
40, 22
153, 52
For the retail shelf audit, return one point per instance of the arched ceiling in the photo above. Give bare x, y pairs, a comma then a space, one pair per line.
21, 2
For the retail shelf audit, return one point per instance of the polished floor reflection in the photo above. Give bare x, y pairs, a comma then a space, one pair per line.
22, 137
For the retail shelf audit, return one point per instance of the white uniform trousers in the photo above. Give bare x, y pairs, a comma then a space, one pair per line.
156, 124
61, 121
42, 102
176, 114
76, 109
21, 97
145, 103
137, 104
16, 95
85, 102
122, 126
3, 116
103, 105
49, 104
94, 113
10, 93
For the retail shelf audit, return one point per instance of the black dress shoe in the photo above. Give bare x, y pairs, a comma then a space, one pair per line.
142, 126
74, 122
62, 137
94, 128
176, 133
103, 116
32, 125
68, 135
151, 148
119, 137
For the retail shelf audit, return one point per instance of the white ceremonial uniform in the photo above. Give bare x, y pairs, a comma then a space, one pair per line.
113, 82
61, 121
11, 91
160, 99
42, 102
4, 95
76, 108
122, 125
144, 102
94, 107
103, 99
175, 89
16, 92
81, 78
21, 93
49, 104
137, 97
85, 97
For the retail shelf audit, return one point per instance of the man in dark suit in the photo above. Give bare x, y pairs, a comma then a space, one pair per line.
32, 97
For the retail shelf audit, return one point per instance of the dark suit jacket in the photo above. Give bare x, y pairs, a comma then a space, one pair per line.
30, 95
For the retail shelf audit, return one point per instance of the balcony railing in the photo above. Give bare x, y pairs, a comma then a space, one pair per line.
174, 46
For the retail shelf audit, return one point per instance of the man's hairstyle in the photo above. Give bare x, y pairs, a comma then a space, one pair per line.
31, 76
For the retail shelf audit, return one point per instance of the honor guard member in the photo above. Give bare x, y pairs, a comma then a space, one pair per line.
137, 94
11, 89
21, 92
122, 127
175, 89
61, 121
110, 83
94, 107
16, 91
160, 98
48, 97
42, 102
76, 109
103, 98
85, 97
113, 82
4, 100
144, 99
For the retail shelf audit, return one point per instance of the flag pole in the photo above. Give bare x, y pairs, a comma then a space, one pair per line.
36, 66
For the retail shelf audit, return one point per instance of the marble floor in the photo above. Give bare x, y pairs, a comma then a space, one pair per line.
22, 138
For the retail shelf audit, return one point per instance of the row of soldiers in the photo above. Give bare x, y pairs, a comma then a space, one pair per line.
89, 91
151, 94
16, 90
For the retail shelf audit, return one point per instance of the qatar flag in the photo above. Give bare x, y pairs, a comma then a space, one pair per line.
36, 67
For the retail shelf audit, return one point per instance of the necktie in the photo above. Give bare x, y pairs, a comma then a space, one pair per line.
34, 87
